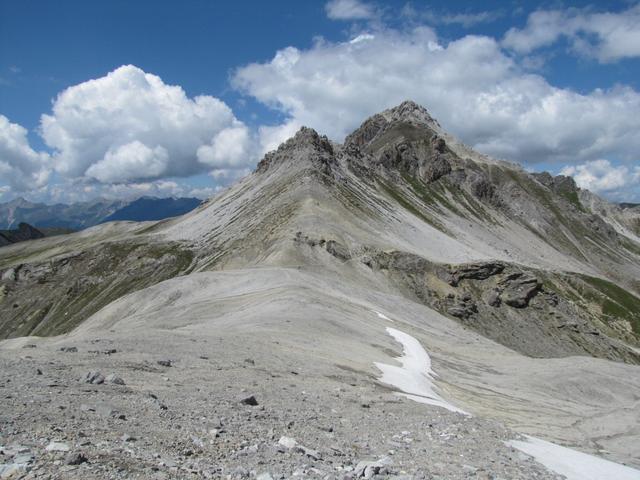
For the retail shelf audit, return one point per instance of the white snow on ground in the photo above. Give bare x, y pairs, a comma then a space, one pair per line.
573, 464
414, 378
383, 316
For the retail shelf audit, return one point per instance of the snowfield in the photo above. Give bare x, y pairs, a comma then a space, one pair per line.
573, 464
414, 378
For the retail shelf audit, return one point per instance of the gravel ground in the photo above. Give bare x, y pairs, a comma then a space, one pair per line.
188, 420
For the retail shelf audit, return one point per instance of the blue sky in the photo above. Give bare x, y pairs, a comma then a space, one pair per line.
86, 87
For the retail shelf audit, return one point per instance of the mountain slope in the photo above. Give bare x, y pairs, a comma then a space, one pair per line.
76, 216
522, 288
22, 233
146, 209
82, 215
399, 200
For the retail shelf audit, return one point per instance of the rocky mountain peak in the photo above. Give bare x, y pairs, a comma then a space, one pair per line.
306, 144
409, 111
20, 202
408, 118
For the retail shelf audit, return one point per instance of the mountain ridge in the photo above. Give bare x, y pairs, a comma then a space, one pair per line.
77, 216
521, 287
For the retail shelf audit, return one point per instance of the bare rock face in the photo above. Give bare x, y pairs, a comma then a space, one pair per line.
464, 307
305, 146
404, 139
475, 271
519, 289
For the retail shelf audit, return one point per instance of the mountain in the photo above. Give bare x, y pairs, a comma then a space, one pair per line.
148, 208
75, 216
22, 233
81, 215
397, 304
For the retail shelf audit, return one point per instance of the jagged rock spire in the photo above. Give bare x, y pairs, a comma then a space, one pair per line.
306, 144
407, 112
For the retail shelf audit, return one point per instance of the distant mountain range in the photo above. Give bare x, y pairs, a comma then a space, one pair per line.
22, 233
78, 216
147, 208
629, 205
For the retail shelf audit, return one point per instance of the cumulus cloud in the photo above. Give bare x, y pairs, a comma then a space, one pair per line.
349, 10
605, 36
601, 176
80, 190
130, 126
470, 85
20, 165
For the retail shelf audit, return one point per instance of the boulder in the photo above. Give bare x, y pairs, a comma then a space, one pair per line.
94, 377
519, 288
250, 400
474, 271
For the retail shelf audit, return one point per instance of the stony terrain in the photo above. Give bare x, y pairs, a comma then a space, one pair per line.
188, 420
240, 340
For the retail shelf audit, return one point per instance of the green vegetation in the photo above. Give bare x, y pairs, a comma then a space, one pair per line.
399, 197
616, 302
66, 292
572, 197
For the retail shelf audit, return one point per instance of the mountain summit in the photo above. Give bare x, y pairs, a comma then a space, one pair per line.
419, 289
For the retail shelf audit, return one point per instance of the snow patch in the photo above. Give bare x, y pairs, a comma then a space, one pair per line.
383, 316
571, 463
414, 378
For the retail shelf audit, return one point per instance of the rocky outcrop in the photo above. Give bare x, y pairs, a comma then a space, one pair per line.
462, 307
474, 271
333, 247
510, 304
305, 146
53, 296
518, 289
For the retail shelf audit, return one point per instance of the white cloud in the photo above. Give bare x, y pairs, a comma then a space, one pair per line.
129, 126
272, 136
132, 160
470, 85
605, 36
466, 19
349, 10
601, 176
78, 190
227, 149
20, 165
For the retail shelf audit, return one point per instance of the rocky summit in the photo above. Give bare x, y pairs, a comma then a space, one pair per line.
395, 306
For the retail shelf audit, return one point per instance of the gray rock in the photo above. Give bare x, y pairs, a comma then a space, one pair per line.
75, 458
250, 400
519, 288
369, 468
287, 442
24, 458
474, 271
164, 363
57, 447
13, 470
9, 275
94, 377
493, 298
113, 378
